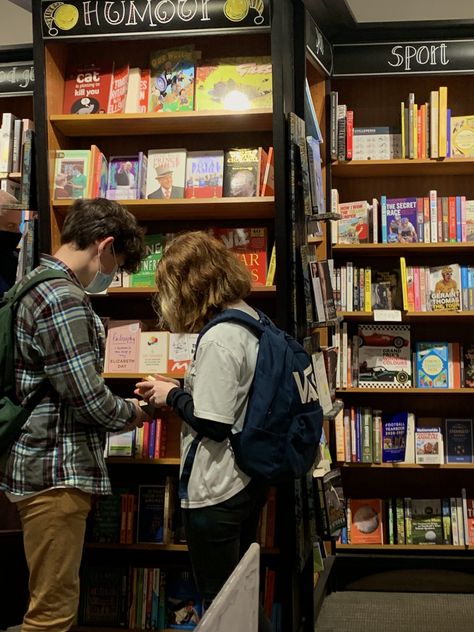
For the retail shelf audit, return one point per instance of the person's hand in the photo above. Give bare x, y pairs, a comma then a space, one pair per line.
156, 390
140, 415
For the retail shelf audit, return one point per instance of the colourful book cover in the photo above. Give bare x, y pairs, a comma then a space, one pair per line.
153, 352
144, 95
204, 174
462, 136
243, 83
384, 356
427, 522
401, 220
71, 174
180, 353
469, 206
241, 172
445, 287
87, 88
166, 174
249, 245
122, 348
150, 515
468, 356
154, 248
429, 446
123, 178
394, 436
268, 180
458, 435
367, 522
183, 604
172, 76
386, 289
432, 368
118, 90
353, 227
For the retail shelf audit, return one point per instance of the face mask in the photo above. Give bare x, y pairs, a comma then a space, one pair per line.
101, 281
9, 241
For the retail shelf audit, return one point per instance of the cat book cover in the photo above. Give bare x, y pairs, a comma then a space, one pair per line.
172, 75
204, 174
87, 88
242, 83
166, 174
249, 245
71, 174
445, 287
432, 365
367, 524
384, 356
399, 220
241, 172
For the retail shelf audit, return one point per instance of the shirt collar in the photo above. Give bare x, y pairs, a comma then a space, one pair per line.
48, 261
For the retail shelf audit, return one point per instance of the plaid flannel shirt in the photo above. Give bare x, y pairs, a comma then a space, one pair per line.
59, 337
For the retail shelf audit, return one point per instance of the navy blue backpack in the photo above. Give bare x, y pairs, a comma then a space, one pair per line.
284, 419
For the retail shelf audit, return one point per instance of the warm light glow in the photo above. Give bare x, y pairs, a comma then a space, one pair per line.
236, 100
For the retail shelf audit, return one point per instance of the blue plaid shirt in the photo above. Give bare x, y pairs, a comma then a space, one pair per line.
59, 337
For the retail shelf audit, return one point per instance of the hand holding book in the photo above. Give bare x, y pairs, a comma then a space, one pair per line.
155, 391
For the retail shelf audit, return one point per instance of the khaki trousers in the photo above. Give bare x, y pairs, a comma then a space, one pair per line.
54, 524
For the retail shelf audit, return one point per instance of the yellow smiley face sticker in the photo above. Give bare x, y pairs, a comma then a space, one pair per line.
66, 17
236, 10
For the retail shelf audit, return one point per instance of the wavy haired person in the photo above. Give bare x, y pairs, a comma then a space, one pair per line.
197, 279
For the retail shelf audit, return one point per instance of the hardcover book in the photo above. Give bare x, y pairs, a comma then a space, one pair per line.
367, 522
183, 604
394, 436
249, 245
153, 352
122, 347
432, 368
127, 177
204, 174
462, 136
118, 90
87, 88
180, 353
386, 289
429, 446
384, 356
71, 174
329, 496
468, 356
427, 527
103, 595
242, 83
376, 143
241, 172
458, 440
150, 516
154, 248
445, 287
166, 174
172, 79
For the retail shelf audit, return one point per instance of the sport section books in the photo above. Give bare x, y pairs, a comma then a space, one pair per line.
384, 358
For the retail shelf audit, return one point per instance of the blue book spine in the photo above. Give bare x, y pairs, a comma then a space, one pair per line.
152, 439
464, 287
383, 214
448, 133
458, 219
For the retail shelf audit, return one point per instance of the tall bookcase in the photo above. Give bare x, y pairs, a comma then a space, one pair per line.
374, 90
265, 31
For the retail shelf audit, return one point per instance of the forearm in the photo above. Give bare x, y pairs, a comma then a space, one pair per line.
182, 403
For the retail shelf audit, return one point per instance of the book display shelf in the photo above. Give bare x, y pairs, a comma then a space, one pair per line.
98, 38
372, 555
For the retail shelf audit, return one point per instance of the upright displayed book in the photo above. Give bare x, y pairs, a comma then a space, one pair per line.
166, 174
172, 79
71, 174
445, 287
204, 174
384, 356
118, 90
87, 88
127, 177
432, 369
398, 219
366, 521
250, 245
180, 353
458, 440
241, 172
426, 521
150, 514
154, 248
353, 227
239, 83
122, 346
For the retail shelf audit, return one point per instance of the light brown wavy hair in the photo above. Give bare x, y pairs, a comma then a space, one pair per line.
197, 278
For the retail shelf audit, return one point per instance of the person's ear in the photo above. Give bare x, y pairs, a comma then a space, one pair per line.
104, 243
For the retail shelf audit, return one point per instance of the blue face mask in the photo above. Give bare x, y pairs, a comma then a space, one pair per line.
101, 281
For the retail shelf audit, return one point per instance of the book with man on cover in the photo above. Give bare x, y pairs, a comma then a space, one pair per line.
166, 174
172, 79
241, 172
250, 245
127, 177
384, 356
445, 287
398, 219
354, 225
87, 88
204, 174
235, 83
72, 174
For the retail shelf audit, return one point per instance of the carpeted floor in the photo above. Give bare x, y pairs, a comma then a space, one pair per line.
356, 611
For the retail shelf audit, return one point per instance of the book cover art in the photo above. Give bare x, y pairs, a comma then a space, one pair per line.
154, 248
150, 515
243, 83
180, 353
71, 174
468, 356
445, 287
118, 90
183, 604
123, 178
458, 435
462, 136
172, 77
318, 202
87, 88
376, 143
353, 227
329, 489
428, 446
121, 443
103, 591
432, 367
144, 96
384, 356
122, 346
469, 212
204, 174
166, 174
394, 436
399, 216
427, 526
324, 275
249, 245
241, 172
153, 352
386, 289
367, 523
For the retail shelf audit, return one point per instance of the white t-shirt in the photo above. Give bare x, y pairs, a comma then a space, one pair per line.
219, 381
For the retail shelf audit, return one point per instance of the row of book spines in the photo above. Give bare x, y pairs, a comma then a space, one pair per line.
416, 284
12, 140
426, 128
455, 522
147, 599
129, 516
147, 442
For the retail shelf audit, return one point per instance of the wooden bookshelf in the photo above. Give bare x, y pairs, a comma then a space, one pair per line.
144, 546
131, 460
402, 168
407, 391
402, 547
122, 292
411, 316
402, 250
410, 466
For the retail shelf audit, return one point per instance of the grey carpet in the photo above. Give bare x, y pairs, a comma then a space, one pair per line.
355, 611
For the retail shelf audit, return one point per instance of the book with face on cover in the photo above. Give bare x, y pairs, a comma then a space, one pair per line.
241, 172
166, 174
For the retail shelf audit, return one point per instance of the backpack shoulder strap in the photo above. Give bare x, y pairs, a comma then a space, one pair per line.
257, 327
21, 289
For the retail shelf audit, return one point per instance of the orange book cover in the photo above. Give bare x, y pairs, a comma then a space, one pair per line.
250, 246
367, 525
268, 185
180, 353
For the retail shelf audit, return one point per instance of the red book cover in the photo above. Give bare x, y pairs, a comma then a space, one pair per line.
470, 522
158, 438
452, 218
250, 246
349, 133
146, 440
144, 90
118, 90
366, 525
268, 186
87, 89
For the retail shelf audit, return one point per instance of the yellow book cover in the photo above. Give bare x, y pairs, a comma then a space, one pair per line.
271, 268
402, 128
434, 123
462, 136
240, 83
403, 279
368, 290
443, 122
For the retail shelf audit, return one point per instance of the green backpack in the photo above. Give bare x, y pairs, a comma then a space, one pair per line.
12, 414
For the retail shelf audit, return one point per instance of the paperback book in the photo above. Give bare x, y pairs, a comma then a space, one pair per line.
353, 227
458, 440
166, 174
87, 88
367, 522
398, 220
71, 174
427, 527
127, 177
445, 287
432, 365
241, 172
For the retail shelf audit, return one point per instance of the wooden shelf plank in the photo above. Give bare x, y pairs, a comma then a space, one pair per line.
407, 391
397, 250
130, 376
197, 209
410, 466
402, 547
212, 122
150, 291
145, 546
131, 460
402, 168
411, 316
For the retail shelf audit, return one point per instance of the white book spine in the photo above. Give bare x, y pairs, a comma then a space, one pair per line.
433, 217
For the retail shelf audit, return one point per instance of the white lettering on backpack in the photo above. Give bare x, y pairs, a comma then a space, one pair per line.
306, 387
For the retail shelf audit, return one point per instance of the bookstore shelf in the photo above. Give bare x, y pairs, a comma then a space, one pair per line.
148, 546
403, 547
189, 209
396, 250
162, 123
411, 316
410, 466
408, 391
127, 376
403, 168
97, 628
132, 460
147, 291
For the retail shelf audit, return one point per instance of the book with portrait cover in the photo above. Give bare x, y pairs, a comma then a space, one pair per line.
204, 174
445, 287
87, 88
366, 521
127, 177
354, 225
241, 172
166, 174
239, 83
249, 245
172, 74
72, 174
398, 219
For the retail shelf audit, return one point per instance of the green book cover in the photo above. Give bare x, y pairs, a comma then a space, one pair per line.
400, 521
145, 277
408, 521
426, 521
